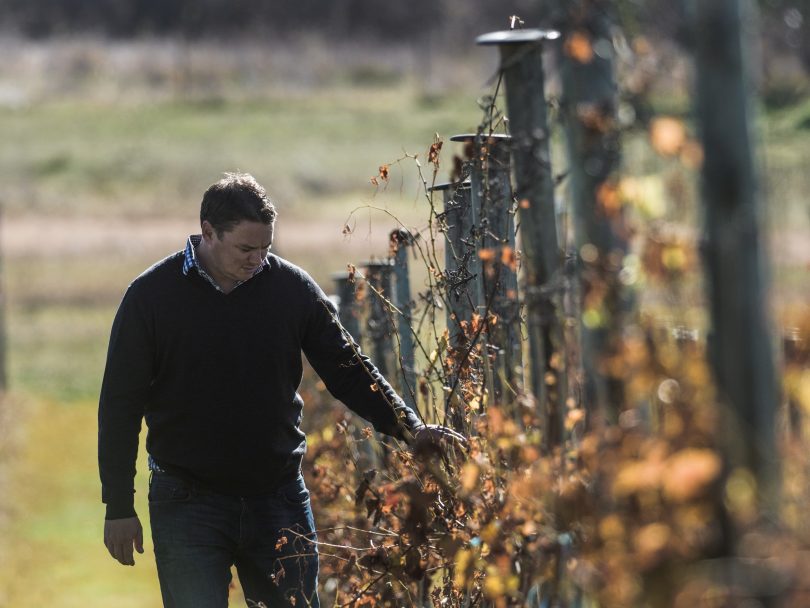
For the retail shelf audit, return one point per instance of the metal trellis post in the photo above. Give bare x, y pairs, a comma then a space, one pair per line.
522, 67
495, 240
400, 240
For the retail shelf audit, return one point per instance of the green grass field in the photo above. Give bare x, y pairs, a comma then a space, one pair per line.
93, 191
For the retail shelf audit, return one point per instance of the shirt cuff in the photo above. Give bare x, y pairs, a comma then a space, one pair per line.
121, 507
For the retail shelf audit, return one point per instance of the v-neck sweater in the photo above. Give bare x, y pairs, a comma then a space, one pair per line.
216, 375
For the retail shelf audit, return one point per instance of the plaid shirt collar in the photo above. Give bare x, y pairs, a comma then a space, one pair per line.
190, 261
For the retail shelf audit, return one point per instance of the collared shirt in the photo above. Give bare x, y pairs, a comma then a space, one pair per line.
190, 261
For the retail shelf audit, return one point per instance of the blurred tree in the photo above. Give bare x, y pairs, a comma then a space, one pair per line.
205, 18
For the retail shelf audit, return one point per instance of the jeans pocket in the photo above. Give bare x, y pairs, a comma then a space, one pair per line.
295, 494
167, 489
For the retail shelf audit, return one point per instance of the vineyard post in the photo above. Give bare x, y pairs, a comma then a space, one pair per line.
457, 253
347, 311
400, 240
522, 67
495, 230
740, 347
378, 326
348, 314
459, 249
588, 107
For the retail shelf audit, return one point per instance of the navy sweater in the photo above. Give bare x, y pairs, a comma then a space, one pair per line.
216, 377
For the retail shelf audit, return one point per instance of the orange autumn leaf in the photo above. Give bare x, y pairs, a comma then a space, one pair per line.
487, 254
579, 47
382, 174
667, 135
689, 472
638, 476
434, 150
609, 198
650, 542
509, 258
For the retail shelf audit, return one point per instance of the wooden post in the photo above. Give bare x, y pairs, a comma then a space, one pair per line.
459, 254
495, 244
522, 67
378, 324
740, 345
589, 99
460, 277
400, 240
348, 313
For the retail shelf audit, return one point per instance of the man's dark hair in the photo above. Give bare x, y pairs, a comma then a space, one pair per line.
235, 198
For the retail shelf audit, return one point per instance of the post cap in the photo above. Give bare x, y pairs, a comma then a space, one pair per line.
401, 236
493, 138
449, 186
376, 264
516, 37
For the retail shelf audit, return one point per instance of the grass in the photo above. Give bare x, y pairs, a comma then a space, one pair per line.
142, 160
54, 543
52, 549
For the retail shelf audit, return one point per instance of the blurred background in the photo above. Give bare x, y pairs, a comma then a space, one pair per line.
115, 116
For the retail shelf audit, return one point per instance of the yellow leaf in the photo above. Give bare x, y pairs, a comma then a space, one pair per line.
650, 541
464, 563
611, 528
469, 476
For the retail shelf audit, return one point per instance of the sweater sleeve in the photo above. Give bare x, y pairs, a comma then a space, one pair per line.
350, 376
127, 378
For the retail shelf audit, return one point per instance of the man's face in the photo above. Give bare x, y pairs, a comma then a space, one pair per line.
240, 252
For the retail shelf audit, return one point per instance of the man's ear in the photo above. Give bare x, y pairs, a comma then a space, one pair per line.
207, 230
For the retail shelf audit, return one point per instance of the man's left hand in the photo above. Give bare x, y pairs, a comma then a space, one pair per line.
437, 434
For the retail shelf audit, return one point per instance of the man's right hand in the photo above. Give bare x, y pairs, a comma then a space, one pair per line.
119, 537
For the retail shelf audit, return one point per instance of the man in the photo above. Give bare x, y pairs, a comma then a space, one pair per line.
206, 346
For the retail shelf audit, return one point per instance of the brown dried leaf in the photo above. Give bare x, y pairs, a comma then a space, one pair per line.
433, 152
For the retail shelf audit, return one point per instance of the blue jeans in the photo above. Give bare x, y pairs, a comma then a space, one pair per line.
198, 535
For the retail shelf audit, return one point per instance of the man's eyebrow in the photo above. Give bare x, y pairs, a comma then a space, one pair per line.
248, 246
